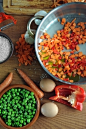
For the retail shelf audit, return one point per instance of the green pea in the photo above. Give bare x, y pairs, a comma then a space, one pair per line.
28, 116
21, 121
32, 116
28, 120
19, 89
25, 113
17, 119
20, 111
12, 90
4, 116
3, 112
15, 90
12, 117
24, 123
14, 95
33, 113
4, 95
20, 125
26, 95
9, 124
17, 123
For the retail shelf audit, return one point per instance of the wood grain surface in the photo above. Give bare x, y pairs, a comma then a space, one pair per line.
67, 118
26, 7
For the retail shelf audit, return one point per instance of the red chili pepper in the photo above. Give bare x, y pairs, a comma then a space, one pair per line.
70, 95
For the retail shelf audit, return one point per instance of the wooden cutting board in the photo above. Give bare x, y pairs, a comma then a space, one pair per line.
26, 7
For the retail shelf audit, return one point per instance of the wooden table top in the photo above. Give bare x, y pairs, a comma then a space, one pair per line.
67, 118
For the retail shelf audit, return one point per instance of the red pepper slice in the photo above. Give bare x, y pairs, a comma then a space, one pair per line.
70, 95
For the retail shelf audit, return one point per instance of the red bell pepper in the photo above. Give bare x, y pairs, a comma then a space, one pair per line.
70, 95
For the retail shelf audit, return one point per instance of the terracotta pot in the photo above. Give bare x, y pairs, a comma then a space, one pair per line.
37, 112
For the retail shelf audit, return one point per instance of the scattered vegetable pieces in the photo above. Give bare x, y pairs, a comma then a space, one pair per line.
60, 2
70, 95
25, 52
66, 65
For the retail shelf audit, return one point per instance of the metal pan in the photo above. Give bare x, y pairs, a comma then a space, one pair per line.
50, 25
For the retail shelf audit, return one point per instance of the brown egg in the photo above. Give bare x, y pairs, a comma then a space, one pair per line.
47, 85
49, 109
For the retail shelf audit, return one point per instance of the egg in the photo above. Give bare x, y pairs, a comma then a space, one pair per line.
47, 85
49, 109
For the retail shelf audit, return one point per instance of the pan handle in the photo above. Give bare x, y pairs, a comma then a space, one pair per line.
30, 32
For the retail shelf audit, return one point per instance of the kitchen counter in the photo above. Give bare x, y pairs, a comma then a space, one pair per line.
67, 118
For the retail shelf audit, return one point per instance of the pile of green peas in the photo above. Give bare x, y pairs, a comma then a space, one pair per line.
18, 107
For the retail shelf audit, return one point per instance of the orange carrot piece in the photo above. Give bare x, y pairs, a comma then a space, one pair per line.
30, 83
22, 36
24, 50
80, 54
84, 73
6, 82
77, 48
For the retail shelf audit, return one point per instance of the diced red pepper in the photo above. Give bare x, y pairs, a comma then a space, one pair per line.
70, 95
60, 57
53, 47
44, 36
55, 65
45, 44
59, 65
66, 79
55, 51
44, 62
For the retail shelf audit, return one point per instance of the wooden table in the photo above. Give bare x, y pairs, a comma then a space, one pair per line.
67, 118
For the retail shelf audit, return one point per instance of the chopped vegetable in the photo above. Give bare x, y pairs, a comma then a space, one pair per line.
70, 95
60, 2
25, 52
31, 83
6, 82
46, 58
66, 65
76, 78
17, 107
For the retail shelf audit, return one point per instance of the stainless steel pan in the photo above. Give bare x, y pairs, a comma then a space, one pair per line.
50, 25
